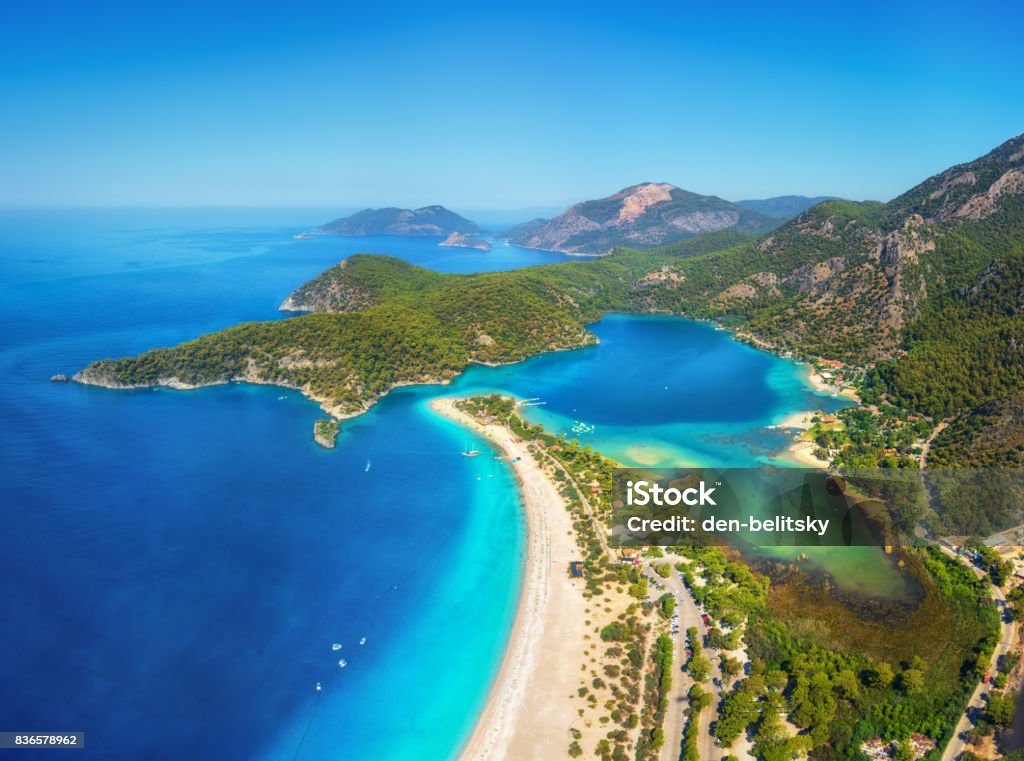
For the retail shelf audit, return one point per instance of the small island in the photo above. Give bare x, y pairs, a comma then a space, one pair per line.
458, 240
325, 431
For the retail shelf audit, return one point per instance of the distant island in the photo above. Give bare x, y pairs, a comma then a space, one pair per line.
458, 240
640, 216
429, 220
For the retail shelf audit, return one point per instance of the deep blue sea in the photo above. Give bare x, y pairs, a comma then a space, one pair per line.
175, 566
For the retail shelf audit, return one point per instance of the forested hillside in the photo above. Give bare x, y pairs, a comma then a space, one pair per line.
927, 289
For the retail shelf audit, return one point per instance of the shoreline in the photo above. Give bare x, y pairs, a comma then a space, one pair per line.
823, 386
801, 451
526, 711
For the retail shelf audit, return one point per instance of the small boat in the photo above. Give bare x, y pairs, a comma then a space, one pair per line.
318, 687
335, 647
367, 465
362, 641
342, 663
470, 453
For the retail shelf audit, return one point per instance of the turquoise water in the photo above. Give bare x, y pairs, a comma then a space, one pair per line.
176, 565
661, 390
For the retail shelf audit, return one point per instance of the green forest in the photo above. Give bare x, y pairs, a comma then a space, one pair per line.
923, 294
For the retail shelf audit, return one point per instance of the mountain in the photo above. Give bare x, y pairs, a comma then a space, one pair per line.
784, 206
846, 280
430, 220
926, 292
641, 216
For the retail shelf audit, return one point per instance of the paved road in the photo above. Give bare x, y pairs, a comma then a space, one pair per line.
678, 700
958, 743
707, 749
675, 720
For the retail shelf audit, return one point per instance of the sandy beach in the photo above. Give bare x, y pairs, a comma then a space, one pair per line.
825, 387
529, 712
801, 451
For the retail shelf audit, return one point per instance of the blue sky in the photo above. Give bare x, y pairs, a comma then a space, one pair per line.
494, 105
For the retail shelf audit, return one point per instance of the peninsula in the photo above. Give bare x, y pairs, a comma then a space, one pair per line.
913, 300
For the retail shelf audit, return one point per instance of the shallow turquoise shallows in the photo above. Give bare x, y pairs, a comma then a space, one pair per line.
177, 566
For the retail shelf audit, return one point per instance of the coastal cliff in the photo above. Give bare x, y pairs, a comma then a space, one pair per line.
358, 283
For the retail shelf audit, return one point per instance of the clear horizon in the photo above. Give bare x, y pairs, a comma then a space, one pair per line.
500, 109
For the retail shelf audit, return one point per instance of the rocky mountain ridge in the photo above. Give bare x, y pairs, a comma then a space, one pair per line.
645, 215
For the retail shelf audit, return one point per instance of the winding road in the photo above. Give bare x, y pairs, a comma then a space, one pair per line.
958, 743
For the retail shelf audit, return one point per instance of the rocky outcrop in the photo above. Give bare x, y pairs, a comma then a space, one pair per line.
331, 291
984, 204
905, 246
814, 277
664, 275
